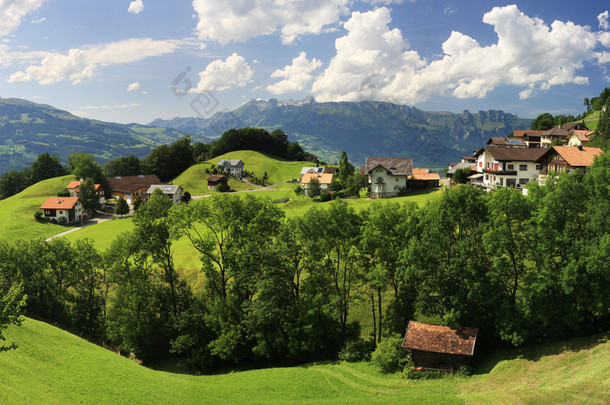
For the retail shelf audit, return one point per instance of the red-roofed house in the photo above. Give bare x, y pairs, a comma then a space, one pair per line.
74, 185
441, 348
63, 207
566, 159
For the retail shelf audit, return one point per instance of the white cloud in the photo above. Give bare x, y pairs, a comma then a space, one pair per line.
218, 75
12, 11
372, 61
80, 64
133, 86
603, 20
240, 20
39, 20
296, 76
136, 7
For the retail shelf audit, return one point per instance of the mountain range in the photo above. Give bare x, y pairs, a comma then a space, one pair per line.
362, 129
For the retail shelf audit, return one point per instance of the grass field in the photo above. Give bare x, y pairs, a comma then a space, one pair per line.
54, 367
195, 180
592, 120
17, 212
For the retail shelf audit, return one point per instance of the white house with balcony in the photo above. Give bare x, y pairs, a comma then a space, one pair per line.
387, 176
234, 166
504, 167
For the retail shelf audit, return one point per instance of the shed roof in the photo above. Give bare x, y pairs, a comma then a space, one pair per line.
59, 203
440, 339
396, 166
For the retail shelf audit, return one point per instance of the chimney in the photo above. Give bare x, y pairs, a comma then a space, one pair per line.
579, 147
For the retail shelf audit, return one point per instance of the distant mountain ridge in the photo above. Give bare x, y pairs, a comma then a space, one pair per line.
28, 129
362, 129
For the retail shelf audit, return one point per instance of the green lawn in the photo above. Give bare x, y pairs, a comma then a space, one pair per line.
592, 120
54, 367
17, 212
195, 180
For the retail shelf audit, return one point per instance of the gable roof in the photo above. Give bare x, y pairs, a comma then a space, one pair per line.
396, 166
513, 154
458, 166
526, 132
424, 174
166, 188
215, 178
59, 203
312, 170
323, 178
229, 162
440, 339
510, 142
556, 131
128, 184
581, 135
74, 184
572, 125
575, 156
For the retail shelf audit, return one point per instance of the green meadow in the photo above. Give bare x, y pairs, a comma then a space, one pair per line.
51, 366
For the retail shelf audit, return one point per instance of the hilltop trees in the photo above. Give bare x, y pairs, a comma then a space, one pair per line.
123, 166
258, 139
44, 167
84, 166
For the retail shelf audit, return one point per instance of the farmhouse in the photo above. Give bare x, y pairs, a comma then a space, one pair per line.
440, 348
132, 187
69, 208
73, 187
566, 159
323, 178
215, 179
387, 176
174, 192
501, 166
234, 166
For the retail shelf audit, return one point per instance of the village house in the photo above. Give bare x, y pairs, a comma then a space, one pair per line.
579, 137
215, 180
73, 187
507, 142
69, 208
531, 137
323, 178
174, 192
422, 178
132, 187
234, 166
566, 159
439, 348
502, 166
387, 176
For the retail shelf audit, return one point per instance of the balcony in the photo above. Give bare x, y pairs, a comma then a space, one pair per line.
500, 172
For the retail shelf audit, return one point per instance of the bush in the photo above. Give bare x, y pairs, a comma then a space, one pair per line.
222, 188
38, 216
325, 196
53, 221
403, 191
356, 350
63, 193
390, 356
62, 221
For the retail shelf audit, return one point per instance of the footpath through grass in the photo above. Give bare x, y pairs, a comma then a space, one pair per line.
52, 367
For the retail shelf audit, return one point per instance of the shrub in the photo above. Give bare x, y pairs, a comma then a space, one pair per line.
53, 221
356, 350
390, 356
62, 221
403, 192
63, 193
38, 216
324, 196
222, 188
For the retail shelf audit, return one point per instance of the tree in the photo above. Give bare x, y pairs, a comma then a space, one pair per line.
123, 166
314, 189
264, 179
13, 182
89, 197
355, 182
587, 104
543, 122
45, 167
346, 169
461, 175
121, 208
84, 166
12, 301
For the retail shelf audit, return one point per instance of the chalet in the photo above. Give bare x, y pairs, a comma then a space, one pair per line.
174, 192
387, 176
499, 167
422, 178
579, 138
132, 187
507, 142
234, 166
323, 178
575, 126
216, 179
531, 137
73, 187
439, 348
566, 159
69, 208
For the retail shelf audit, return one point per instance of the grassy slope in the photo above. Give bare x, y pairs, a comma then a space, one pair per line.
52, 366
592, 120
17, 212
195, 180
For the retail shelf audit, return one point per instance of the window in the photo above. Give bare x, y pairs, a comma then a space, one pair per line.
523, 168
511, 167
480, 164
523, 181
511, 182
501, 181
487, 165
487, 177
538, 167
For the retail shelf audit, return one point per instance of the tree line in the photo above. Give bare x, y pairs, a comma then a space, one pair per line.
523, 269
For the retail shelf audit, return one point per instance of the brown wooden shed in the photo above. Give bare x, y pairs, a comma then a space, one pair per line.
214, 180
435, 347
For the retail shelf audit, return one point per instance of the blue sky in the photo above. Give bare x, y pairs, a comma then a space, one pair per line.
134, 61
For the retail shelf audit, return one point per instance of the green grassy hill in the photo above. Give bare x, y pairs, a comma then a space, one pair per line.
195, 180
17, 212
52, 366
592, 119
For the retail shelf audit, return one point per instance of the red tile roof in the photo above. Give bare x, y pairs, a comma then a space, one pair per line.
440, 339
76, 183
59, 203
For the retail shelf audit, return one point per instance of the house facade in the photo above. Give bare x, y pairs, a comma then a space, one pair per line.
174, 192
132, 187
566, 159
505, 167
234, 166
579, 138
387, 176
69, 208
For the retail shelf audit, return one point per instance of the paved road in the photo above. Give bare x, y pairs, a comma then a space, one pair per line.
92, 221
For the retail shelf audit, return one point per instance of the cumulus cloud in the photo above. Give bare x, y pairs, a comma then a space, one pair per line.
603, 20
136, 7
373, 61
80, 64
12, 11
224, 75
239, 20
133, 86
296, 76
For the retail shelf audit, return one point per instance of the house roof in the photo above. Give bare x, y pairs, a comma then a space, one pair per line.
440, 339
523, 133
215, 178
572, 125
76, 184
556, 131
128, 184
312, 170
575, 156
513, 154
424, 174
166, 188
323, 178
59, 203
333, 170
510, 142
229, 162
396, 166
582, 135
458, 166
